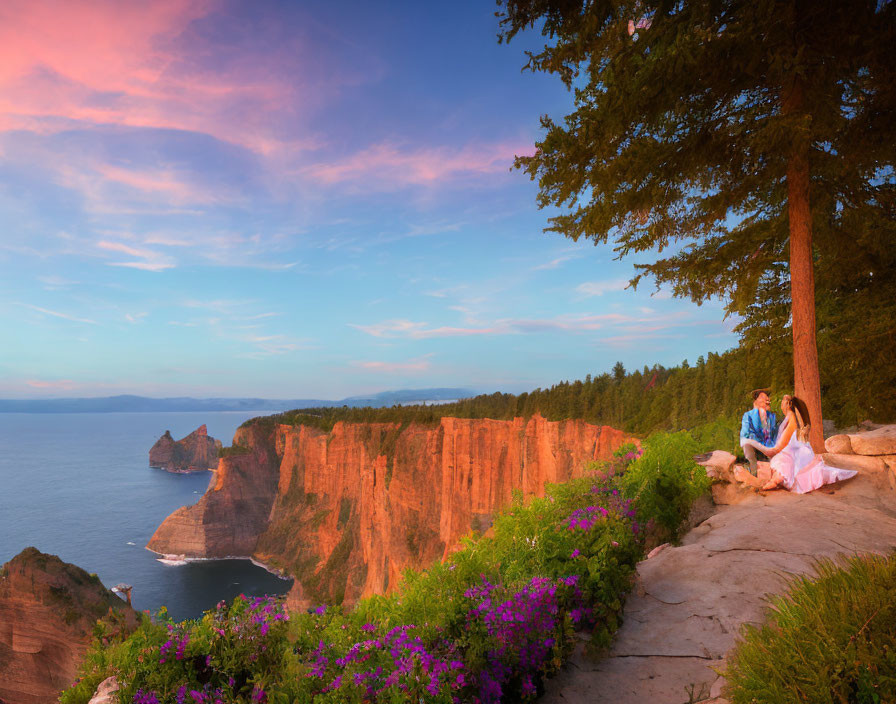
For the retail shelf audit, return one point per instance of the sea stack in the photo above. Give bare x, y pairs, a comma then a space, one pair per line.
195, 453
48, 609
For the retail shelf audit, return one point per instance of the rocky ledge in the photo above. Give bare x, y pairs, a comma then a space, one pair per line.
691, 600
197, 452
48, 609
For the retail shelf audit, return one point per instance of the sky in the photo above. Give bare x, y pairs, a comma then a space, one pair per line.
294, 200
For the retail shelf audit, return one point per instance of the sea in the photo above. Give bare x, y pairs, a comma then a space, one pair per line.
79, 485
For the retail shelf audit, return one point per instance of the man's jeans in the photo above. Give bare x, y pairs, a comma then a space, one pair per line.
750, 453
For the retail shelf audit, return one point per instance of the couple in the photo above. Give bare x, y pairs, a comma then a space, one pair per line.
794, 464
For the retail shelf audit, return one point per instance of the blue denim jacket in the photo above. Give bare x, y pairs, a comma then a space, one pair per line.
751, 427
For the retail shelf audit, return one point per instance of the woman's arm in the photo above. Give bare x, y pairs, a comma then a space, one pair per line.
784, 437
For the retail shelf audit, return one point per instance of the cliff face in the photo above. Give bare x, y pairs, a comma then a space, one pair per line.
198, 451
347, 511
47, 611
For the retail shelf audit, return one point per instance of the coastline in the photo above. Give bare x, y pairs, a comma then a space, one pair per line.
181, 560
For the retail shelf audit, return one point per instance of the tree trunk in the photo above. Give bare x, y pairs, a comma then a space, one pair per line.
802, 273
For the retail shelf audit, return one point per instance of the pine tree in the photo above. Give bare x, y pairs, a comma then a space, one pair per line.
754, 140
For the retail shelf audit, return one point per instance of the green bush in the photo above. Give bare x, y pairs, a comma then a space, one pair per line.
720, 434
665, 481
831, 639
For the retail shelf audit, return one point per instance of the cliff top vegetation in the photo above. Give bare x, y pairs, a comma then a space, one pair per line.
651, 399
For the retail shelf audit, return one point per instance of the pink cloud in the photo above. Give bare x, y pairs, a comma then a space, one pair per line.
382, 166
420, 364
135, 64
571, 323
60, 384
163, 182
145, 259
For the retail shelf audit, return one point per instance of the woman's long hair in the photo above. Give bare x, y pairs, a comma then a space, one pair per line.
803, 422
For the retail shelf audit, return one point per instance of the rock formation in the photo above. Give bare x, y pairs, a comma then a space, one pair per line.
47, 612
346, 512
871, 450
196, 452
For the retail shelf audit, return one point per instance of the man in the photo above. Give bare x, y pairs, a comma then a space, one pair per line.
758, 424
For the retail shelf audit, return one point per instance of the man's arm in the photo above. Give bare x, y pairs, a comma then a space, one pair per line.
745, 425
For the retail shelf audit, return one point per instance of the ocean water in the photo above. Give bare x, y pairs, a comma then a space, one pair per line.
80, 486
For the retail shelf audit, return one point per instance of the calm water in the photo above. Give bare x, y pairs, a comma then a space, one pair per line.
79, 486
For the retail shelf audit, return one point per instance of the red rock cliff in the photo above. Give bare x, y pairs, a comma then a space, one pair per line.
47, 611
347, 511
198, 451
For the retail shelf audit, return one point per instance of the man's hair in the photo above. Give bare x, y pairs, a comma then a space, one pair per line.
757, 392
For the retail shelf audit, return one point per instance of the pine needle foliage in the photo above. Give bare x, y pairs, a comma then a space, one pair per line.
682, 145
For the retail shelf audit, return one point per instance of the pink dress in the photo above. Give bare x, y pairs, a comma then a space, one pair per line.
802, 469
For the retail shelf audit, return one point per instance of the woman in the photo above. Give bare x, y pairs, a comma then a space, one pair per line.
795, 466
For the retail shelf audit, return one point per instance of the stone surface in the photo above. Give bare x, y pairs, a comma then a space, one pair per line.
880, 441
719, 464
860, 463
346, 512
692, 599
105, 692
839, 444
198, 451
47, 612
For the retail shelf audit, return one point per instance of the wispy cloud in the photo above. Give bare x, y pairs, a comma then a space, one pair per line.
52, 283
599, 288
386, 166
416, 365
52, 384
140, 64
391, 328
57, 314
557, 261
273, 345
146, 259
569, 323
135, 317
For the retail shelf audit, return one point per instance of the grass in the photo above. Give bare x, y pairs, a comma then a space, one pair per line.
830, 640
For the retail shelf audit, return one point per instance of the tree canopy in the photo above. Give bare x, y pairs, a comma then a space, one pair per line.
743, 147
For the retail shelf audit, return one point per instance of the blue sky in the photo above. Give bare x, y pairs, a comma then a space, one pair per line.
296, 199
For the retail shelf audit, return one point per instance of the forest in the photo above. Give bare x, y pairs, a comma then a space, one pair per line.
650, 399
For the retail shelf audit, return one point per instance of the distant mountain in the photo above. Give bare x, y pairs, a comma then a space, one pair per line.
143, 404
409, 397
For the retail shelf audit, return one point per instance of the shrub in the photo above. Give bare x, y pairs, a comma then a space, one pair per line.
665, 481
832, 638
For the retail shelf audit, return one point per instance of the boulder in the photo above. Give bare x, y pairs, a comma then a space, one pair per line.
860, 463
839, 444
880, 441
719, 465
105, 692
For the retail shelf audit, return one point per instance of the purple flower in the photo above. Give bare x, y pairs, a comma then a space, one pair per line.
147, 697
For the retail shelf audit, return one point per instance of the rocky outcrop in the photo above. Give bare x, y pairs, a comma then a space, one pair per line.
691, 601
196, 452
346, 512
871, 450
234, 511
48, 609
